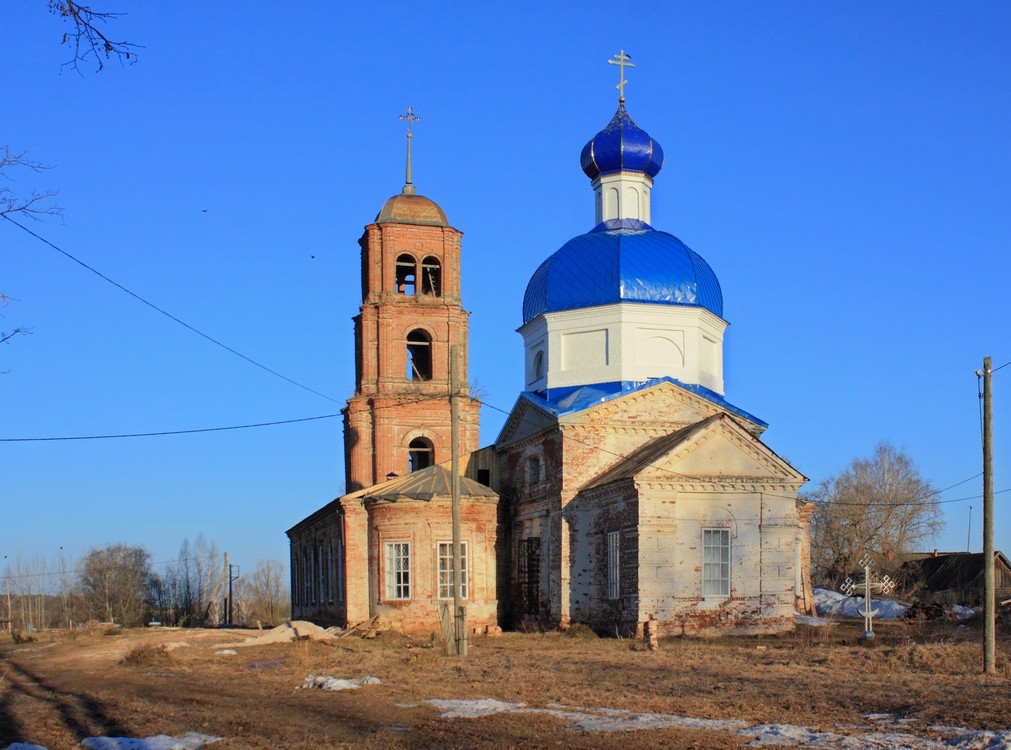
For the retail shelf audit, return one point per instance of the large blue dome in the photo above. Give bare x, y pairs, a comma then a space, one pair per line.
621, 147
621, 265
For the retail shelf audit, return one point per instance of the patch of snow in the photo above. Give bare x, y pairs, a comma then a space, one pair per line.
227, 652
779, 735
818, 622
337, 683
189, 741
833, 603
23, 746
473, 709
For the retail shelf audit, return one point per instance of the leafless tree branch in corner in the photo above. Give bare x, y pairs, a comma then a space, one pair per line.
87, 38
35, 204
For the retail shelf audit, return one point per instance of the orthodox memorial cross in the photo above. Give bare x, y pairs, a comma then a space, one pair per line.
622, 61
884, 585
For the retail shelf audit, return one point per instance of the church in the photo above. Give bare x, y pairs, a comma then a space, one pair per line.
624, 492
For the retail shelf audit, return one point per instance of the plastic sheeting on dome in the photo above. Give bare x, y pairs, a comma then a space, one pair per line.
605, 267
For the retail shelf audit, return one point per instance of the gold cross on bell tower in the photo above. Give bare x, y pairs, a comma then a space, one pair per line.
411, 118
622, 61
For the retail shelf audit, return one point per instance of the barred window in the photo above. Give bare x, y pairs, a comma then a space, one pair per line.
613, 564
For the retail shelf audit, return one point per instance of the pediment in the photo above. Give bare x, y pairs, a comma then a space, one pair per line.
664, 405
525, 420
722, 449
715, 449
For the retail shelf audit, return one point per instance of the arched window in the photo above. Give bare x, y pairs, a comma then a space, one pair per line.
431, 277
421, 454
407, 274
533, 470
419, 355
538, 365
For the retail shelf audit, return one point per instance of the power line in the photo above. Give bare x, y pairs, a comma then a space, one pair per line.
165, 432
168, 314
160, 433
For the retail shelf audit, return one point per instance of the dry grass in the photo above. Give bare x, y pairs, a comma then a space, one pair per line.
58, 692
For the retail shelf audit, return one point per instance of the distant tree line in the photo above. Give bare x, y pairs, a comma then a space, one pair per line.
118, 584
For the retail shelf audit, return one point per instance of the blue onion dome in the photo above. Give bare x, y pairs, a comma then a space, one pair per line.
621, 147
606, 266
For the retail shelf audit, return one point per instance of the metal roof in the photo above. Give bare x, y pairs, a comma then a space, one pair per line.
425, 484
607, 266
571, 399
622, 146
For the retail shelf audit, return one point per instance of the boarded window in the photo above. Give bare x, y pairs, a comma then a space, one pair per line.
446, 577
407, 274
716, 562
398, 570
533, 470
419, 355
431, 277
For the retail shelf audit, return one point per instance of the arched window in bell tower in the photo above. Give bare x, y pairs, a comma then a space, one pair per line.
407, 274
421, 454
419, 355
431, 276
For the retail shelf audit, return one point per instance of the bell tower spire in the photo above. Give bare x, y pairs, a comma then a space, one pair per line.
411, 118
411, 315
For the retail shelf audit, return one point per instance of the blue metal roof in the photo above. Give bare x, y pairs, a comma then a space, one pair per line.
607, 266
621, 147
572, 399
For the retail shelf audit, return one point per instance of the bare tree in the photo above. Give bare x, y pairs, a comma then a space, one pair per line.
194, 584
86, 36
114, 583
35, 204
263, 596
879, 505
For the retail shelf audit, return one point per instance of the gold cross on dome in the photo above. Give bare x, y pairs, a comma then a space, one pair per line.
622, 61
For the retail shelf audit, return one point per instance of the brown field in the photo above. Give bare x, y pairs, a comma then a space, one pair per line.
64, 687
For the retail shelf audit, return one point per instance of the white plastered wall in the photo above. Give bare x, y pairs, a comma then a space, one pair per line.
625, 341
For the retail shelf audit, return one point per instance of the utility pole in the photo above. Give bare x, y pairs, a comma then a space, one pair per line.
989, 605
458, 646
231, 577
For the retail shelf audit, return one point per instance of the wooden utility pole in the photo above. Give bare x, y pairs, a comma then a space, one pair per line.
459, 642
989, 604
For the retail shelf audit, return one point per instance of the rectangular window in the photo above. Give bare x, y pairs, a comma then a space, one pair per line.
613, 564
398, 570
446, 578
340, 570
716, 562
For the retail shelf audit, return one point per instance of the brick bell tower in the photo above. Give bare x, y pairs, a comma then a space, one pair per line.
398, 421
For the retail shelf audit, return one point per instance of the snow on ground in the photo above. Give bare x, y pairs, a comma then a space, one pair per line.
338, 683
189, 741
883, 732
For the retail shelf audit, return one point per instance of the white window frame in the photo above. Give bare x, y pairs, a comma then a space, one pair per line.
613, 564
444, 566
397, 558
716, 558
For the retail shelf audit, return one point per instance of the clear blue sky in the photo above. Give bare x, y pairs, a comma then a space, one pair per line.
843, 167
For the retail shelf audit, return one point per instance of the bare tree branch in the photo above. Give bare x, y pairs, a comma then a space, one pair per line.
35, 203
87, 39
